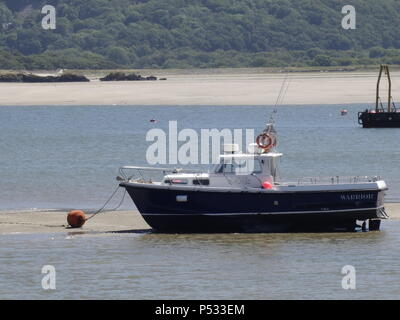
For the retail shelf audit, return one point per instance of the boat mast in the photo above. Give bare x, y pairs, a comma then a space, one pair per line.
390, 88
384, 68
377, 88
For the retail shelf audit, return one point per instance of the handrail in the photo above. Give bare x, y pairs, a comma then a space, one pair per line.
337, 179
301, 181
139, 169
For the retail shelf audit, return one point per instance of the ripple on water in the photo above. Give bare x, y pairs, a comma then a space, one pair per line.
202, 266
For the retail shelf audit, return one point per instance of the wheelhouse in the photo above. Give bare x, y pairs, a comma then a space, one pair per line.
239, 169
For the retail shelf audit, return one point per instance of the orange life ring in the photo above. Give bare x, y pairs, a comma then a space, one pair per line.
266, 146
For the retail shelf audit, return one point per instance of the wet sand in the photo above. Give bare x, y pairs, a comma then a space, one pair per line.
56, 221
245, 88
14, 222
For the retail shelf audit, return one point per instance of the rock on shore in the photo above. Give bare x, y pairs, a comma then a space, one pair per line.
33, 78
120, 76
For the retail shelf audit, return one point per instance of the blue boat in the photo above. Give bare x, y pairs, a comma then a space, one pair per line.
242, 194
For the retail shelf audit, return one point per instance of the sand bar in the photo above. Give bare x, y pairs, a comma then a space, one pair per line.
14, 222
56, 221
252, 88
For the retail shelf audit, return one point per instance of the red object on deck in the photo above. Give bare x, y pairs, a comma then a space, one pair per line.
76, 218
267, 185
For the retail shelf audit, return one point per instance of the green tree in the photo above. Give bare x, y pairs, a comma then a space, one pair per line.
322, 60
118, 55
376, 52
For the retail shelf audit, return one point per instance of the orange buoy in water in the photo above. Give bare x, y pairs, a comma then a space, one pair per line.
76, 218
267, 185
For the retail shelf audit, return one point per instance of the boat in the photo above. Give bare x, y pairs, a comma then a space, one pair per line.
222, 200
381, 116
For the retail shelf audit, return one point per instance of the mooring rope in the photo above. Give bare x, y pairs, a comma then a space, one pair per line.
108, 200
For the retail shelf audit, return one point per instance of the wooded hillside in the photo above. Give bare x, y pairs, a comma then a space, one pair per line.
97, 34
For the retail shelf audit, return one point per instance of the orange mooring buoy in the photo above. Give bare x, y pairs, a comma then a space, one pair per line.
76, 218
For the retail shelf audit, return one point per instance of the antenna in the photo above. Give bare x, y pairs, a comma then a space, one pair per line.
281, 96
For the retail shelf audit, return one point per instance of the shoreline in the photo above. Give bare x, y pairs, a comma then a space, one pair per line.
55, 221
247, 87
124, 221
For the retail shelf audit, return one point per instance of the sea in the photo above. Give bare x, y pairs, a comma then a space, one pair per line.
55, 157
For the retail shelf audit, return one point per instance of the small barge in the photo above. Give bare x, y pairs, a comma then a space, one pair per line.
381, 117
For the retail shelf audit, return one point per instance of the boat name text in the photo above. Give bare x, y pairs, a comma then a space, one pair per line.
368, 196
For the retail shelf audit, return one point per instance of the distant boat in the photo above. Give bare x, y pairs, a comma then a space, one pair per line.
381, 117
343, 112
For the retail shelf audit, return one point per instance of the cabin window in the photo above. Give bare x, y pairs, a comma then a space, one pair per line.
239, 166
176, 181
257, 168
203, 182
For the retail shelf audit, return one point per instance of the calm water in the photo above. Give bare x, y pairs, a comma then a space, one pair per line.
231, 266
67, 157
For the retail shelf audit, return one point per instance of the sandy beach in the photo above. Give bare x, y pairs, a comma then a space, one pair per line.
251, 88
23, 222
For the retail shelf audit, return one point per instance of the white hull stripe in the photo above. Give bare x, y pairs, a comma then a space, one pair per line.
364, 187
259, 213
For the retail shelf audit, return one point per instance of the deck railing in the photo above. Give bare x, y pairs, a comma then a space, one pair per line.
149, 174
140, 170
337, 180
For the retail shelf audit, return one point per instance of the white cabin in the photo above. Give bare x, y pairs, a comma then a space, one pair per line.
235, 169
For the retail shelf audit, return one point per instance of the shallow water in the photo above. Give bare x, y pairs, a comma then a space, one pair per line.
68, 157
203, 266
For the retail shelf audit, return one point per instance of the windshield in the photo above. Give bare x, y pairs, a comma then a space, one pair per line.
238, 166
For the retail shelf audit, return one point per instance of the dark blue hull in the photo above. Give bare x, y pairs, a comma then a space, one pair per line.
236, 211
379, 119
